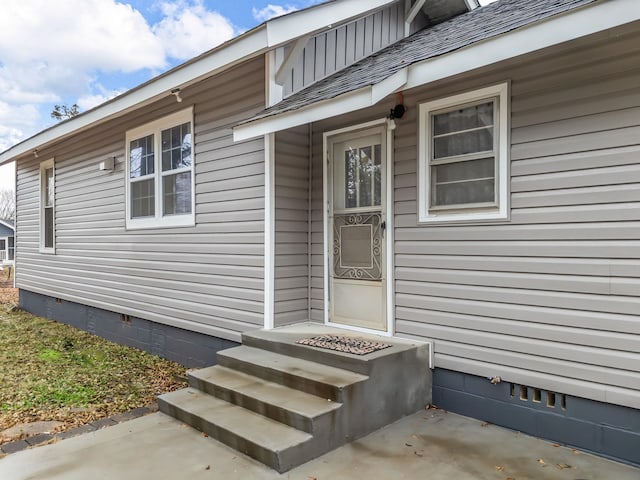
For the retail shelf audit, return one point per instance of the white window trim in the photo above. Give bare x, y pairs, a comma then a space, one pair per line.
43, 192
471, 213
155, 128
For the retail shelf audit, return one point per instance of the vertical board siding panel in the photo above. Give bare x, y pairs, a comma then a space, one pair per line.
292, 198
207, 278
376, 41
341, 47
361, 33
351, 43
385, 27
330, 54
309, 55
321, 57
393, 24
549, 176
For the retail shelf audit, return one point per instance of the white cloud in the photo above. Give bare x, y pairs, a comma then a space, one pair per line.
57, 52
87, 102
189, 29
271, 11
79, 34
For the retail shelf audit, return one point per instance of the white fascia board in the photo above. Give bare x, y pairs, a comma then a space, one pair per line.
361, 98
283, 29
225, 56
389, 85
564, 27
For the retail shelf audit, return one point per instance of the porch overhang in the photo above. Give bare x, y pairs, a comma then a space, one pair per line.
570, 25
350, 101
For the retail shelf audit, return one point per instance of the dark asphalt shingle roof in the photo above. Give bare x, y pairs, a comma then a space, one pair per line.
480, 24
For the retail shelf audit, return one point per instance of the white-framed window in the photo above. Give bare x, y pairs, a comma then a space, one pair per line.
47, 207
160, 173
463, 157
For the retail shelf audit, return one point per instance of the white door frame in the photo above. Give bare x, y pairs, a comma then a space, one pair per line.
390, 304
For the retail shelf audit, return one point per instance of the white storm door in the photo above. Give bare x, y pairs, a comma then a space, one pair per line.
356, 221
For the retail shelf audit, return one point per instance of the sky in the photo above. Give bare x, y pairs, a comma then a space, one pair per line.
85, 52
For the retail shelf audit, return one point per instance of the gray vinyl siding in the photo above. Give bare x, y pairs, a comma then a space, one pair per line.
291, 227
330, 51
549, 298
207, 278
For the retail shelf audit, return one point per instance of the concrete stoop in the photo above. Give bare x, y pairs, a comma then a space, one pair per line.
284, 404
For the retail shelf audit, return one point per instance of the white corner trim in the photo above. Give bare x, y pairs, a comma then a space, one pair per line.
269, 230
557, 29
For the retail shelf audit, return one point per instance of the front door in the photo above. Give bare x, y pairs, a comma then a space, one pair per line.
356, 221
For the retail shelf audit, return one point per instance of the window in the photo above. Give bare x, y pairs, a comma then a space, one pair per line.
47, 207
160, 180
463, 157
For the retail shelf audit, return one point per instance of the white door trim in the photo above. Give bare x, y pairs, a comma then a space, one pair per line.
390, 304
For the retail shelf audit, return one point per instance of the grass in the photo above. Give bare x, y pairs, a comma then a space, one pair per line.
51, 371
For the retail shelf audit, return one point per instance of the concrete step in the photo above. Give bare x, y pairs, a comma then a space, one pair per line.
268, 441
283, 341
289, 406
311, 377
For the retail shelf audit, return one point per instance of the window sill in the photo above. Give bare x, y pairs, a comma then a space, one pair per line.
166, 222
464, 217
48, 251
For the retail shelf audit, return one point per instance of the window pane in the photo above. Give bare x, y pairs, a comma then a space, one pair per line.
350, 179
176, 193
464, 119
48, 227
176, 147
467, 192
11, 247
142, 199
49, 194
462, 143
377, 190
469, 170
463, 182
365, 177
141, 159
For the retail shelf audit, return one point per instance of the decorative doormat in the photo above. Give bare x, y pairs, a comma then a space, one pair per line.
341, 343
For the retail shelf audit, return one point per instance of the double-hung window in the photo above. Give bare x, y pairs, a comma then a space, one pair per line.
160, 175
463, 157
47, 207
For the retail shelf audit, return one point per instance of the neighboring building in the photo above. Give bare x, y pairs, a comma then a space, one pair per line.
7, 242
496, 216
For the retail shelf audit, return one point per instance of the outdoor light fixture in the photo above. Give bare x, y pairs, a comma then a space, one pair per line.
35, 153
176, 92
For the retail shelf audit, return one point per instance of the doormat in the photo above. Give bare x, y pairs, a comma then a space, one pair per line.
341, 343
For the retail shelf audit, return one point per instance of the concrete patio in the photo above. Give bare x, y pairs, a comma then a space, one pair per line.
429, 444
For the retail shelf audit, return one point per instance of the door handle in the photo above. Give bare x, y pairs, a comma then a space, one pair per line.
383, 227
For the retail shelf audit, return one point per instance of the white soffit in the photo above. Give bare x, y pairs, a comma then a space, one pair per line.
272, 33
554, 30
